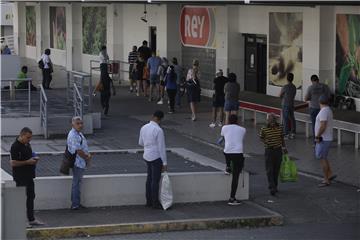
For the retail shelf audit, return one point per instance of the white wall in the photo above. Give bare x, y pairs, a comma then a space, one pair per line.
6, 18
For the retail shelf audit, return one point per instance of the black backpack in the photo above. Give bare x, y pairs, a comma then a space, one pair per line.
41, 64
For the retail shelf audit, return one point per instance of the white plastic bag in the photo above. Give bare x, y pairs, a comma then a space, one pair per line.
165, 193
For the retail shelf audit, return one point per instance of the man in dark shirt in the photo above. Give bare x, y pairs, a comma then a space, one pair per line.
145, 51
287, 96
218, 98
23, 162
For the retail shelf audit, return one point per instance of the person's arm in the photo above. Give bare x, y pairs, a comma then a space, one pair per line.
17, 163
141, 141
129, 58
162, 148
307, 95
282, 92
262, 135
323, 125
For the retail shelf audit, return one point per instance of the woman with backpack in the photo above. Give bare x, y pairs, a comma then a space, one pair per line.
171, 86
193, 87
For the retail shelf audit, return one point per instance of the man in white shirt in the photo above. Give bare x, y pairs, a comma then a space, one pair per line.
47, 70
153, 140
323, 138
234, 139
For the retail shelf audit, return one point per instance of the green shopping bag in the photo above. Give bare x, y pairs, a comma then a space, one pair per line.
288, 170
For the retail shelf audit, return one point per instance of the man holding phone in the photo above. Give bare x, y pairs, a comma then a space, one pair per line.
323, 138
23, 162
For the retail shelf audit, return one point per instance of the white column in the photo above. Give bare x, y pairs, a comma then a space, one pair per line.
19, 28
69, 37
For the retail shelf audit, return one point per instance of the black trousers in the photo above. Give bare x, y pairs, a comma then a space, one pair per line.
105, 99
273, 158
237, 160
171, 94
30, 196
153, 181
46, 78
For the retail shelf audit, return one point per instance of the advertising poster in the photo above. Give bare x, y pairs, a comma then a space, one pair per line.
93, 29
57, 28
30, 25
285, 48
348, 55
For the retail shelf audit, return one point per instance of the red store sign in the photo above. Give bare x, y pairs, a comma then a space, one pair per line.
197, 26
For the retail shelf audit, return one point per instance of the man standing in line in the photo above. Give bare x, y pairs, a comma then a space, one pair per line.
133, 56
23, 162
145, 51
153, 140
323, 138
153, 65
287, 95
77, 144
218, 98
179, 78
47, 70
312, 97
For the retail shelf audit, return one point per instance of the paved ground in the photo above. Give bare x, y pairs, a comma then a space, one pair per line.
310, 212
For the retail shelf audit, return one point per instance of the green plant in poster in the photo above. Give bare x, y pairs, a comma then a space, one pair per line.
30, 25
93, 29
348, 54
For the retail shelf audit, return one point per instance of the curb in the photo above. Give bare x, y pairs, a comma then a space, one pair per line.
157, 226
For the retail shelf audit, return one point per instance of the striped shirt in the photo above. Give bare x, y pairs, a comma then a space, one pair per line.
133, 56
272, 136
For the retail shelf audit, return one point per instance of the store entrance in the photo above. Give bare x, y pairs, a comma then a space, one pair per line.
255, 63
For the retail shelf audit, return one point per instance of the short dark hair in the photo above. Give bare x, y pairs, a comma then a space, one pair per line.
24, 68
25, 130
47, 51
103, 47
232, 77
145, 42
314, 78
324, 100
290, 77
135, 47
175, 61
158, 114
233, 119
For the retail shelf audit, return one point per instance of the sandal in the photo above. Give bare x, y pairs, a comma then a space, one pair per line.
332, 177
323, 184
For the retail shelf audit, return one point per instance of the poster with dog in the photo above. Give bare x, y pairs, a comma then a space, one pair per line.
285, 48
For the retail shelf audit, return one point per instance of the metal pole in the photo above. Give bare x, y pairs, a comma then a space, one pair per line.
29, 97
90, 94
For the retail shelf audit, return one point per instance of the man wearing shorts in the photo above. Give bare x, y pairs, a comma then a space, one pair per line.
218, 98
153, 65
323, 138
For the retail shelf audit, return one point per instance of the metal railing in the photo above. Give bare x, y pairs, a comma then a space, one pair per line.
12, 92
116, 68
43, 111
84, 84
78, 102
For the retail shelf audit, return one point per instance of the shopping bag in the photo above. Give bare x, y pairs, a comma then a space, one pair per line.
165, 193
288, 170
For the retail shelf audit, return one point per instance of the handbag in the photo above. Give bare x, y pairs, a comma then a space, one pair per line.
68, 162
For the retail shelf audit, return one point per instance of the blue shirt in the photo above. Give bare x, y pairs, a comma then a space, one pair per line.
77, 141
153, 64
170, 80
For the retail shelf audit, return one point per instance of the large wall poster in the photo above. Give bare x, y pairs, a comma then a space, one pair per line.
30, 25
93, 29
285, 48
57, 28
348, 55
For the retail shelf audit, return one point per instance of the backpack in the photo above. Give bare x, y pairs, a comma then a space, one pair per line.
350, 104
41, 64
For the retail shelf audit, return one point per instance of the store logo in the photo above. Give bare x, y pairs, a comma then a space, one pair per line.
197, 26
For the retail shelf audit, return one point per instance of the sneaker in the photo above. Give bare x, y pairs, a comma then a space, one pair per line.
170, 112
212, 125
160, 102
227, 171
131, 90
292, 136
220, 124
234, 202
36, 223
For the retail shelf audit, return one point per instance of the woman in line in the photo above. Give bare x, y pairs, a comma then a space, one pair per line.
47, 70
193, 87
234, 140
232, 89
138, 73
171, 86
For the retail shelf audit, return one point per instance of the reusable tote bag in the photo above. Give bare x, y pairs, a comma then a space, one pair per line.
288, 170
165, 193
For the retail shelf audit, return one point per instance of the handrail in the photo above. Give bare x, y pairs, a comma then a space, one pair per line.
43, 111
78, 92
12, 90
78, 102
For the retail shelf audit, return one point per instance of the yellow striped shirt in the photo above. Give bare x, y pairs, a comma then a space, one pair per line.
272, 136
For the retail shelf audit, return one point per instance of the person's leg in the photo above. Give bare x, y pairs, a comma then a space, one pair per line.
172, 99
221, 110
269, 166
139, 86
76, 186
178, 96
285, 119
238, 162
156, 175
292, 120
192, 107
277, 164
148, 184
228, 163
30, 196
227, 114
102, 100
106, 102
43, 79
214, 114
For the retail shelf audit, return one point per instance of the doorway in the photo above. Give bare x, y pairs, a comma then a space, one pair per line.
152, 37
255, 63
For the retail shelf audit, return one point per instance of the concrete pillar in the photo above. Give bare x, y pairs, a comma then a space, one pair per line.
76, 53
173, 31
19, 28
221, 36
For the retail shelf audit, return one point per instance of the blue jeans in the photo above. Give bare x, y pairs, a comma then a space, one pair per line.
288, 116
78, 174
152, 182
313, 113
178, 96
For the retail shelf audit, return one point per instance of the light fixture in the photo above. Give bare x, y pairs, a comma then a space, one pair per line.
247, 1
143, 18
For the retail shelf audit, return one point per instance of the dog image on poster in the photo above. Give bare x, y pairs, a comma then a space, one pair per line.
285, 48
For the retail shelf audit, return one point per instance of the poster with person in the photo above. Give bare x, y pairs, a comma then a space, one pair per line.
30, 25
285, 47
93, 29
348, 55
57, 28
